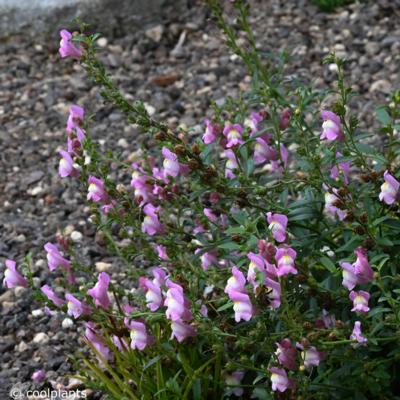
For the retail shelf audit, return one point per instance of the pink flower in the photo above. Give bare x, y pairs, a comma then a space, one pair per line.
208, 258
285, 118
263, 152
151, 224
362, 268
120, 343
210, 215
177, 304
256, 271
279, 379
360, 301
311, 356
49, 292
67, 48
75, 120
153, 293
286, 354
350, 278
55, 259
241, 305
231, 164
277, 225
233, 133
139, 336
343, 167
389, 189
234, 380
357, 334
253, 122
331, 129
284, 155
75, 307
181, 330
285, 257
66, 167
162, 252
39, 376
171, 164
12, 278
211, 132
96, 190
330, 201
97, 342
236, 282
99, 291
274, 293
143, 190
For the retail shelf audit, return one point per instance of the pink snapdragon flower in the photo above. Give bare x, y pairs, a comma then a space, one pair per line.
285, 257
138, 333
389, 189
234, 379
154, 298
231, 164
162, 252
66, 166
331, 129
97, 341
75, 120
343, 167
357, 334
120, 343
143, 189
176, 302
253, 122
76, 308
12, 278
181, 330
279, 379
54, 257
277, 225
286, 354
171, 164
233, 133
99, 291
350, 279
67, 48
263, 152
208, 258
284, 119
236, 282
362, 268
208, 212
49, 292
311, 356
275, 292
211, 132
39, 376
96, 190
360, 301
330, 208
256, 268
151, 224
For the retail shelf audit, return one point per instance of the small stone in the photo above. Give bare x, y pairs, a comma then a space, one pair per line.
67, 323
8, 295
155, 33
22, 347
37, 313
36, 190
103, 266
381, 85
41, 338
123, 143
102, 42
76, 236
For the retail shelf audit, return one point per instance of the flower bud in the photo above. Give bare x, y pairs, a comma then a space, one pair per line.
180, 149
160, 136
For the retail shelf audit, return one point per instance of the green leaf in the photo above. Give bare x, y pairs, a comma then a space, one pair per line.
383, 116
229, 246
229, 304
328, 264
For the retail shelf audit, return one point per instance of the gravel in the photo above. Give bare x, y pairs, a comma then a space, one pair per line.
177, 68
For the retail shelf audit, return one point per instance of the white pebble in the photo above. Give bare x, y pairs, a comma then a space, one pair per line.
76, 236
67, 323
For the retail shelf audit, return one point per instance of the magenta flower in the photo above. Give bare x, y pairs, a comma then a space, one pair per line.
210, 215
285, 118
357, 334
311, 356
120, 343
343, 167
154, 298
181, 330
284, 155
263, 152
389, 189
285, 257
67, 48
139, 336
76, 308
54, 257
208, 258
362, 268
12, 278
350, 279
97, 342
143, 189
162, 252
177, 304
286, 354
75, 120
234, 380
360, 301
233, 134
231, 164
39, 376
274, 293
330, 201
96, 190
49, 292
151, 224
236, 282
256, 269
279, 379
331, 129
171, 164
211, 132
253, 122
277, 225
241, 305
99, 291
66, 167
